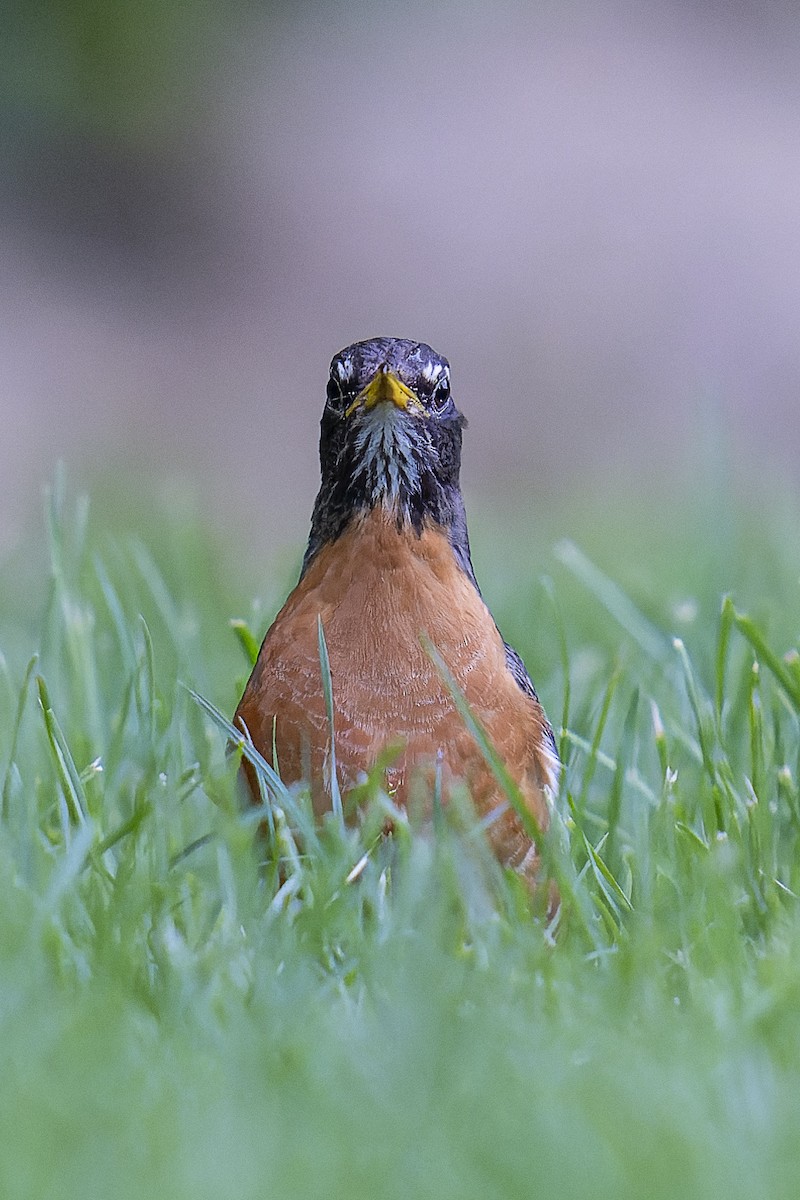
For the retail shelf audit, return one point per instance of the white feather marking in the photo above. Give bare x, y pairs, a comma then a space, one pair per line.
343, 369
386, 453
552, 766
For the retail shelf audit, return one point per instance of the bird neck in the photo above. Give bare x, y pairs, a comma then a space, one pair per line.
443, 509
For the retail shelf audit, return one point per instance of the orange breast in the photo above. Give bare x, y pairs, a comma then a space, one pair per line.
377, 590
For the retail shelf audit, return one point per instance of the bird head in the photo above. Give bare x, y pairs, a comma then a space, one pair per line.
390, 433
390, 439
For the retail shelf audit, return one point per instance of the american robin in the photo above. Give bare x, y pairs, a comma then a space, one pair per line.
388, 566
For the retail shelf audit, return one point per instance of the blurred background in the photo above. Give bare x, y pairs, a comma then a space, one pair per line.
592, 210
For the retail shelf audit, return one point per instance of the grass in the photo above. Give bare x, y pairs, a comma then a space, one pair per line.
354, 1018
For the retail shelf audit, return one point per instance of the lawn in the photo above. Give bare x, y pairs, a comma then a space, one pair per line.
188, 1011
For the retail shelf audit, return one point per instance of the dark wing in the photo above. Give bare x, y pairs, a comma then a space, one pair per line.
517, 668
459, 541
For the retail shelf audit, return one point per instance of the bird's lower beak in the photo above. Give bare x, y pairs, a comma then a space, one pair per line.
384, 388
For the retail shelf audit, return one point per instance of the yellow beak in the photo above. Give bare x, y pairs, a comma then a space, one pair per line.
384, 388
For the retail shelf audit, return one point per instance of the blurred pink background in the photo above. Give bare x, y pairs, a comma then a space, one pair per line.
593, 211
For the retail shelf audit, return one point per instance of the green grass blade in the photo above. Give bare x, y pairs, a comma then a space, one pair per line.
508, 787
756, 722
120, 622
632, 778
159, 591
146, 683
490, 755
704, 733
606, 878
68, 774
272, 780
589, 769
614, 600
15, 728
246, 639
327, 690
617, 783
727, 614
782, 670
660, 739
563, 649
140, 813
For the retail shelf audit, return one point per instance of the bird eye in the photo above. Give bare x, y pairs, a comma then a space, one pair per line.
440, 395
335, 392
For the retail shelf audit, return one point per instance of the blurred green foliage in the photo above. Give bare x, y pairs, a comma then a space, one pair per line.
187, 1011
109, 70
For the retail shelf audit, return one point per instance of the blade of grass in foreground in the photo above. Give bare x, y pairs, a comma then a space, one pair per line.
699, 711
605, 878
786, 674
623, 754
589, 769
145, 692
725, 624
67, 772
507, 785
23, 696
245, 638
274, 783
563, 650
327, 689
614, 600
632, 777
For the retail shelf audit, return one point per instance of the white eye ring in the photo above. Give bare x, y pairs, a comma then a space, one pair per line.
441, 393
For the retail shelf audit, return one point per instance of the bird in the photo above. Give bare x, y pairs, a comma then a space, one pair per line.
388, 575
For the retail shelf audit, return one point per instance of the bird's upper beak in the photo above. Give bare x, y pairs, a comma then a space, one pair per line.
385, 388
